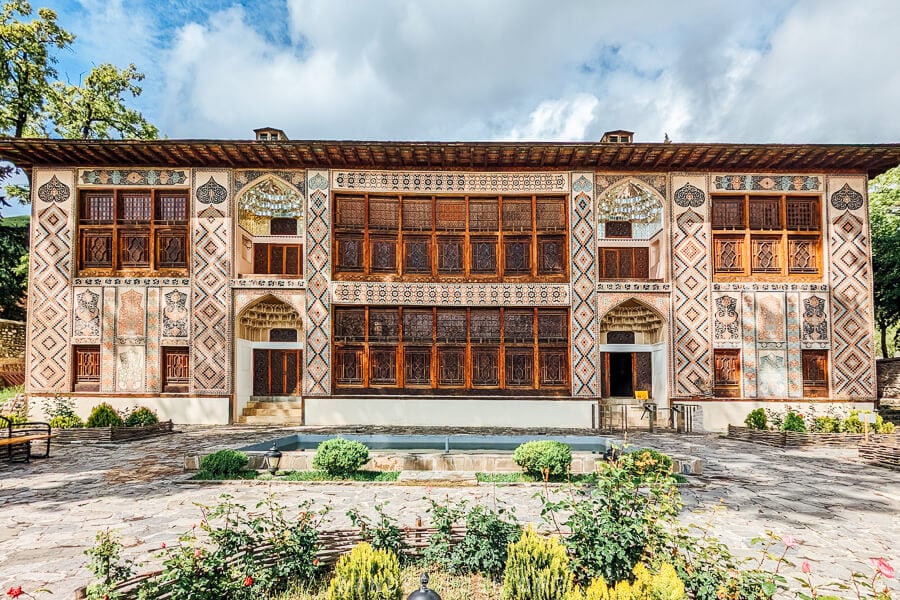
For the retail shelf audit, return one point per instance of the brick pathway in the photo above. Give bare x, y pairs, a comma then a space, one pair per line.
842, 511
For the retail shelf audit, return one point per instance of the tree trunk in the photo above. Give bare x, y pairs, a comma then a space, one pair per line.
882, 327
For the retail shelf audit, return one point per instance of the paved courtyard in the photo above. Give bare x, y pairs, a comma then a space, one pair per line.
841, 511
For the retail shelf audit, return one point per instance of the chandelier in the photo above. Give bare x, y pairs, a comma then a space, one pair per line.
629, 203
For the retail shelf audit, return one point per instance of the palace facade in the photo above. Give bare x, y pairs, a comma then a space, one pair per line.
465, 284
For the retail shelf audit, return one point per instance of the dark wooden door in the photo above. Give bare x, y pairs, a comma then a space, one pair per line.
277, 372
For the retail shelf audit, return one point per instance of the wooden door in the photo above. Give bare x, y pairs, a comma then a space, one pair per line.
277, 372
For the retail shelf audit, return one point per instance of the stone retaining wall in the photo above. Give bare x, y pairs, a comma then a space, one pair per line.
888, 370
12, 339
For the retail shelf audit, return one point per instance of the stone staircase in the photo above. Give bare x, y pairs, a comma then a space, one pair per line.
273, 410
890, 412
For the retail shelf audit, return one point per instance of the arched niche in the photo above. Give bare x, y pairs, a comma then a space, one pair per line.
257, 320
269, 206
644, 324
633, 203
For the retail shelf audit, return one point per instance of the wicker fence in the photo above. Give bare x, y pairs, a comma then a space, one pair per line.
794, 439
883, 453
87, 435
332, 544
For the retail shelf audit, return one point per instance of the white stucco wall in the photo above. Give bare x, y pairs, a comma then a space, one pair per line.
198, 411
718, 415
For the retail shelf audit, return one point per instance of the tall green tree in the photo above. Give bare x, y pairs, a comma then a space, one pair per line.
27, 62
13, 272
884, 217
97, 108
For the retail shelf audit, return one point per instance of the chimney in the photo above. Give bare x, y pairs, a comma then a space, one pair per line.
619, 136
270, 134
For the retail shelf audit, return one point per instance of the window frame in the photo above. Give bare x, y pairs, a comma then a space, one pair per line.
784, 229
83, 382
117, 231
730, 388
178, 385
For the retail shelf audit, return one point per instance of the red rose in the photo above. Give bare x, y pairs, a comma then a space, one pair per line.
248, 581
15, 592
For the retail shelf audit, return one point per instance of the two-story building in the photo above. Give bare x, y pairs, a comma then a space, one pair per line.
496, 283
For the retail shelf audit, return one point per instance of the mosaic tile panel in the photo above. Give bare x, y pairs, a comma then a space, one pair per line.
853, 356
244, 298
794, 358
108, 342
659, 302
211, 272
51, 274
727, 320
287, 284
814, 313
126, 281
318, 275
125, 177
748, 348
130, 316
244, 177
772, 374
763, 182
604, 181
691, 348
87, 308
444, 294
130, 368
583, 223
770, 321
175, 313
770, 287
441, 181
152, 381
630, 286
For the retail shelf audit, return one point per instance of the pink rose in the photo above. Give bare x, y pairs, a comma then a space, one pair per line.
806, 568
197, 553
789, 541
163, 545
883, 567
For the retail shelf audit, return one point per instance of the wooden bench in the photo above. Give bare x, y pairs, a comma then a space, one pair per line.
17, 438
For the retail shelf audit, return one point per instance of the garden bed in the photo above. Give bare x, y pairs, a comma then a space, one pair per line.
89, 435
795, 439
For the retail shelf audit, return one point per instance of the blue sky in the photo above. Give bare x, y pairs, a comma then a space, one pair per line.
748, 71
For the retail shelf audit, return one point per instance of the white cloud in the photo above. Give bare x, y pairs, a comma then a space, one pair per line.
810, 70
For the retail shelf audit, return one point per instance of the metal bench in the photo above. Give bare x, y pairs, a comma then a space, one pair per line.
18, 439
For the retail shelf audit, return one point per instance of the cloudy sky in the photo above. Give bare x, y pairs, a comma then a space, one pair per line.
723, 70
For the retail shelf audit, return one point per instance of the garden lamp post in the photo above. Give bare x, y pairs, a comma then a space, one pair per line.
424, 593
273, 458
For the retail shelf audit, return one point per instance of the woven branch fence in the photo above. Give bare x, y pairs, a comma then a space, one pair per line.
795, 439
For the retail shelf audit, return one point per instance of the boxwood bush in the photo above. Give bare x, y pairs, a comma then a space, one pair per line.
756, 419
224, 463
140, 417
340, 457
104, 415
544, 458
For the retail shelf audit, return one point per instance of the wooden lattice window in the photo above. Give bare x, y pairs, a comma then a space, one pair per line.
727, 372
451, 367
283, 334
417, 214
450, 255
758, 235
554, 367
484, 325
141, 231
553, 326
383, 213
283, 226
451, 325
416, 255
278, 259
350, 211
384, 255
517, 256
485, 367
815, 373
484, 256
518, 325
348, 368
384, 325
617, 229
551, 213
619, 337
519, 367
451, 214
418, 325
417, 366
87, 369
551, 255
349, 253
383, 366
484, 214
176, 369
350, 324
624, 263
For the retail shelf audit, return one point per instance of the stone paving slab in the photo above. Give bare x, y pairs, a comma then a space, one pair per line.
841, 510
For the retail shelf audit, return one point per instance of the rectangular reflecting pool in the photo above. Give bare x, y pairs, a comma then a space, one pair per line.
435, 443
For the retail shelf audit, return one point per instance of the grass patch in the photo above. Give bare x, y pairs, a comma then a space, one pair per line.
323, 476
525, 478
450, 587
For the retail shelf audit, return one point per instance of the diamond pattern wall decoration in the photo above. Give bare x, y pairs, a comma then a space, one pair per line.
51, 274
318, 276
585, 363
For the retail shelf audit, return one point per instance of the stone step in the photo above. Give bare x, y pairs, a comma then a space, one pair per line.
269, 420
438, 478
288, 405
273, 412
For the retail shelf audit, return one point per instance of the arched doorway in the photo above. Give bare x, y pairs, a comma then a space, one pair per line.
632, 344
268, 352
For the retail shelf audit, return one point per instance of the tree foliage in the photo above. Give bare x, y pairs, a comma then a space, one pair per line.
96, 109
884, 215
13, 278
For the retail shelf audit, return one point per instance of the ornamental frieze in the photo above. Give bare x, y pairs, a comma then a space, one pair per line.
441, 294
440, 182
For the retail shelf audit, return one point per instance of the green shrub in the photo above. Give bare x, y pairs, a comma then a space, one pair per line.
383, 534
537, 569
664, 585
793, 422
140, 417
366, 574
484, 547
544, 458
756, 419
826, 425
646, 463
66, 422
882, 426
104, 415
224, 463
852, 423
340, 457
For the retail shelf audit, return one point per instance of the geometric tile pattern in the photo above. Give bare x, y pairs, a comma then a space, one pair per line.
447, 294
210, 273
244, 298
794, 360
442, 181
605, 181
748, 352
727, 325
86, 327
814, 318
770, 287
318, 276
174, 323
851, 291
770, 321
51, 273
772, 374
151, 373
123, 177
243, 177
630, 286
691, 345
108, 341
257, 281
786, 183
585, 363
